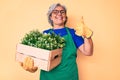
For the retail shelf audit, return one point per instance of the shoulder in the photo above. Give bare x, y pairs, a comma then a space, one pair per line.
46, 31
72, 31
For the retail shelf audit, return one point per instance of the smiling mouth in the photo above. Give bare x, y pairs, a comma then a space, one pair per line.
59, 18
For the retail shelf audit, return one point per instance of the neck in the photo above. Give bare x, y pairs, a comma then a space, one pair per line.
58, 26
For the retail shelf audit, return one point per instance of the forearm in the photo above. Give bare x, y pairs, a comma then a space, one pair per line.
87, 47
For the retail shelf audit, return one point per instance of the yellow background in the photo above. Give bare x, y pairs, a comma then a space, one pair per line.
103, 16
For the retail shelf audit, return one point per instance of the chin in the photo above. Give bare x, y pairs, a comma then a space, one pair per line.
60, 22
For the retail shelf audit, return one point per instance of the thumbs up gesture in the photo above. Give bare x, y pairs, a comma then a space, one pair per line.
82, 30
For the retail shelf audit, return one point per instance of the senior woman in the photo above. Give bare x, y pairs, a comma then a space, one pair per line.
67, 70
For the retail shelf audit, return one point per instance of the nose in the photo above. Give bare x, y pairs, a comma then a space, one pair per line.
59, 13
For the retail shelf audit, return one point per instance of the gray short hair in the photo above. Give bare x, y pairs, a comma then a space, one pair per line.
51, 8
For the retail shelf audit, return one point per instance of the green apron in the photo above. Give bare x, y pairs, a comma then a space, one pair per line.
67, 69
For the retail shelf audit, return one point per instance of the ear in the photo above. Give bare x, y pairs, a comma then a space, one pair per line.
51, 17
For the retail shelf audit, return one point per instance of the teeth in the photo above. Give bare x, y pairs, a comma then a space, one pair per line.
59, 18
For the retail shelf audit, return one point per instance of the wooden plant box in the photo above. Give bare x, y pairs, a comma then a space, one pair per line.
43, 59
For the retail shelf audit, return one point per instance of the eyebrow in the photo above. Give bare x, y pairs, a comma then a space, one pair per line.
59, 10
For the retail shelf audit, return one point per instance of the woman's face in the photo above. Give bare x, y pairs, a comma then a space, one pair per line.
58, 16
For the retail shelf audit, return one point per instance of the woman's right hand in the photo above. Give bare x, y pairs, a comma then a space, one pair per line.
28, 64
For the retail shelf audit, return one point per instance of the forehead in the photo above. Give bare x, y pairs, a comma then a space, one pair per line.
59, 8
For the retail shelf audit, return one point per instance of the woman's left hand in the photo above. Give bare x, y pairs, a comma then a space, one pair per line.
83, 30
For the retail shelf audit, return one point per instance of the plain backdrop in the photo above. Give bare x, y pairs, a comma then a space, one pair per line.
18, 17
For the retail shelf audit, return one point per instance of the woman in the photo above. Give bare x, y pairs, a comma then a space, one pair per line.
67, 70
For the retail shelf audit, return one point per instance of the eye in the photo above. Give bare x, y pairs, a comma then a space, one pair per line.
58, 11
55, 12
62, 11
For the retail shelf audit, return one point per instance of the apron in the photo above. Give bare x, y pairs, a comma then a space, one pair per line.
67, 69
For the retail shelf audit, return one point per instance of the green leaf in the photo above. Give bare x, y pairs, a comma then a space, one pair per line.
45, 41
